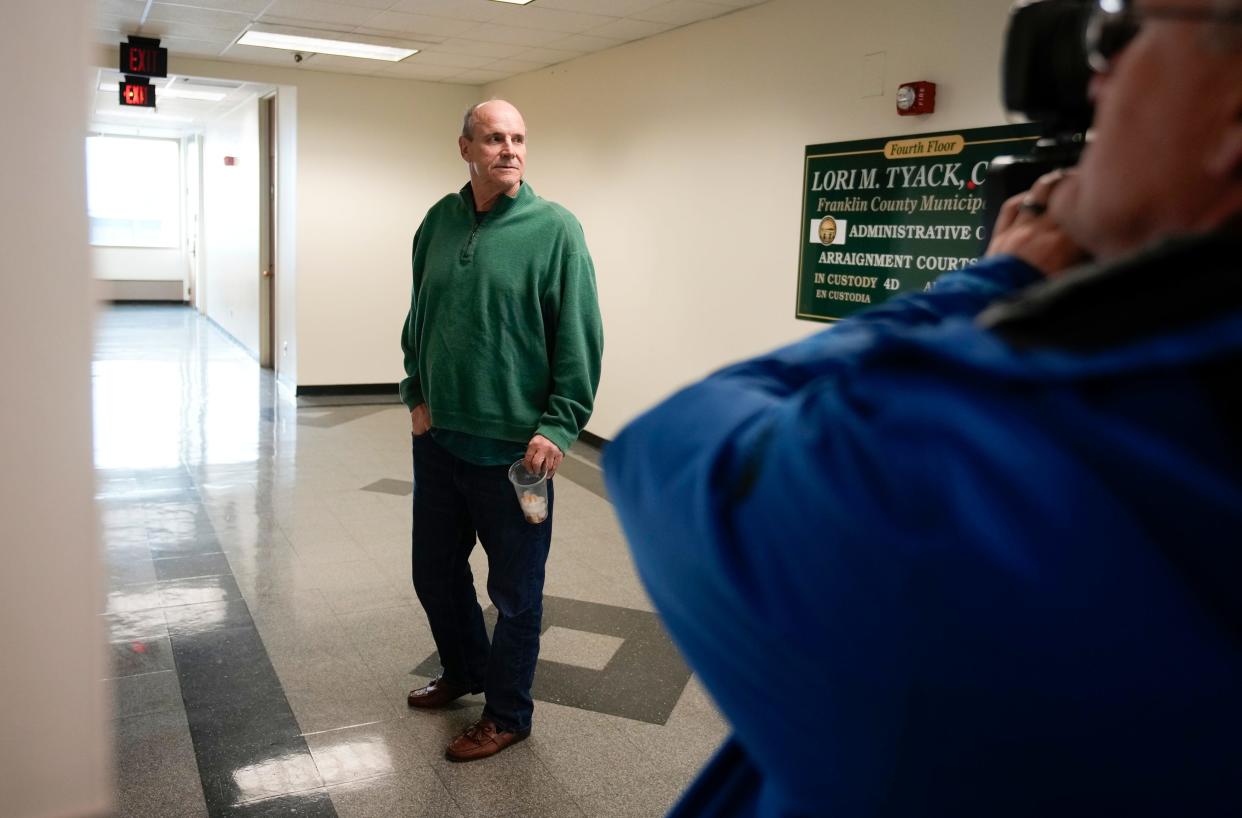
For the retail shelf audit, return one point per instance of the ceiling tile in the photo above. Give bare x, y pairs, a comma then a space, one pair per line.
414, 25
344, 65
249, 7
481, 38
517, 66
480, 49
375, 5
106, 37
107, 22
196, 48
681, 12
208, 18
121, 8
625, 30
548, 56
582, 42
613, 8
319, 12
549, 19
479, 76
451, 60
493, 33
409, 69
167, 32
477, 10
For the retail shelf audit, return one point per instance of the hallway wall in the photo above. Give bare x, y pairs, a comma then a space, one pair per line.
361, 160
229, 241
682, 155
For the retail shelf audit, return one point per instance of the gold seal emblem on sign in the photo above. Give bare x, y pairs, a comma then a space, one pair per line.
827, 230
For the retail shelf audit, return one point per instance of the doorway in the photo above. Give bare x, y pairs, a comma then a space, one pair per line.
267, 231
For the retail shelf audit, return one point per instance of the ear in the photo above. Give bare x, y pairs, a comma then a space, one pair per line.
1223, 159
462, 144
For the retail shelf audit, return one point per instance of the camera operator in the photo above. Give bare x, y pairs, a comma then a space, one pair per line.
977, 551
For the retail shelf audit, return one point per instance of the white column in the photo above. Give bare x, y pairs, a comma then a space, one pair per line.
54, 722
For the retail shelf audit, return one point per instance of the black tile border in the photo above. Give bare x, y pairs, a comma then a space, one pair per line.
386, 485
238, 715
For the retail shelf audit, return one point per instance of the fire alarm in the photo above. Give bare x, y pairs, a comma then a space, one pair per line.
230, 160
916, 98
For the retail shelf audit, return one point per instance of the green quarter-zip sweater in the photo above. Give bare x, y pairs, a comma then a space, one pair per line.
503, 339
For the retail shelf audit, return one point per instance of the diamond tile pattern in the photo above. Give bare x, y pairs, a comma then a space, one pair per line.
263, 631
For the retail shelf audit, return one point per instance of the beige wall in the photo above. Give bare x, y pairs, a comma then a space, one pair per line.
373, 156
54, 720
361, 160
229, 236
683, 154
138, 263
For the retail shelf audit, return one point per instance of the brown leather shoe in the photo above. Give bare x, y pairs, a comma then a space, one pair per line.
437, 693
480, 740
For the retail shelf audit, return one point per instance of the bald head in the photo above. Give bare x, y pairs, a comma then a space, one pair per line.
470, 120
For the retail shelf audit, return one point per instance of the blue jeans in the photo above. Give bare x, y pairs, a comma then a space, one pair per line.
453, 501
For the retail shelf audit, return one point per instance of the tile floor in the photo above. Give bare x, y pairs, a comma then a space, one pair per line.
264, 632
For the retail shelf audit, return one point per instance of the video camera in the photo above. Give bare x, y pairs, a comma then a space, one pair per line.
1045, 74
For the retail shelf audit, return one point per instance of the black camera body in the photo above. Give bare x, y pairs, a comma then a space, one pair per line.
1044, 76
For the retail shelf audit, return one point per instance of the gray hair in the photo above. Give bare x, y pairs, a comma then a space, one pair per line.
1227, 33
467, 121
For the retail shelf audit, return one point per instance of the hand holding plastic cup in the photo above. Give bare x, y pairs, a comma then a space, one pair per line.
532, 492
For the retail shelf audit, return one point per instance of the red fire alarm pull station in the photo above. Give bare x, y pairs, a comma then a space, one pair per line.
137, 92
230, 160
916, 98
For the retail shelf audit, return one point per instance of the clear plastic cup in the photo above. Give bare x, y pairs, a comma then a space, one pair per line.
532, 492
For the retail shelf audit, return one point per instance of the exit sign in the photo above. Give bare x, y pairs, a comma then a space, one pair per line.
143, 57
137, 91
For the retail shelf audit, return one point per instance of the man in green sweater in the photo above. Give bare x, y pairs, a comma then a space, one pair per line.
502, 359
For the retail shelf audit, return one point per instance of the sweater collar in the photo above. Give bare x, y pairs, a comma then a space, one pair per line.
503, 204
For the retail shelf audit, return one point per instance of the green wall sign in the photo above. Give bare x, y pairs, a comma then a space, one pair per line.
882, 217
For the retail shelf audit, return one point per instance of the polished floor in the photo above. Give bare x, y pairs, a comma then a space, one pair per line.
264, 632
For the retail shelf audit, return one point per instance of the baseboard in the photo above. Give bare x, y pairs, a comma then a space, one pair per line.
594, 440
132, 291
340, 390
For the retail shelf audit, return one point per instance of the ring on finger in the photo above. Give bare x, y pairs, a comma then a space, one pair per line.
1033, 207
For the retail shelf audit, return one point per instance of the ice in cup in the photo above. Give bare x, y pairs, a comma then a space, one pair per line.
532, 492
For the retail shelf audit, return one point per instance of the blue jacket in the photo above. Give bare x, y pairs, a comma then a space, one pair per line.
954, 559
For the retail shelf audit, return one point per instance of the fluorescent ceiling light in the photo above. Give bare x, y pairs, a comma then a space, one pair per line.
151, 117
186, 93
317, 45
174, 93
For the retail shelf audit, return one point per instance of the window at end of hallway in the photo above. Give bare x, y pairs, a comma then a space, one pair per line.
132, 191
